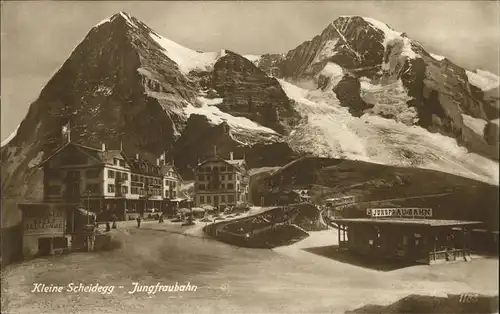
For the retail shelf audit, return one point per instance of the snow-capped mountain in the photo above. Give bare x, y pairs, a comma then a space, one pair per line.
358, 90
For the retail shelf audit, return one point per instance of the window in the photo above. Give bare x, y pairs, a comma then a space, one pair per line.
207, 169
53, 189
222, 186
174, 194
134, 190
222, 177
230, 198
230, 177
141, 179
201, 186
121, 163
111, 188
223, 198
111, 174
209, 199
135, 178
230, 186
125, 189
115, 161
202, 199
222, 169
93, 173
201, 177
174, 184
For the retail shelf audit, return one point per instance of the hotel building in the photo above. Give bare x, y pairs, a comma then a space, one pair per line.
221, 182
107, 180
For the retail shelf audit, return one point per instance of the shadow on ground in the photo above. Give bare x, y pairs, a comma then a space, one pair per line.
343, 256
430, 304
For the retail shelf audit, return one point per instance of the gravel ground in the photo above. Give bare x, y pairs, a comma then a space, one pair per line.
229, 279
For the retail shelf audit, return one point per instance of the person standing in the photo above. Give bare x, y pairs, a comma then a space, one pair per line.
138, 221
113, 226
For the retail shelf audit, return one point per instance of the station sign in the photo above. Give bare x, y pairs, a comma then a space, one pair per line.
44, 221
399, 212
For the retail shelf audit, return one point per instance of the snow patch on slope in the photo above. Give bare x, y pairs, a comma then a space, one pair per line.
334, 72
252, 58
210, 101
437, 57
475, 124
127, 18
391, 35
10, 137
187, 60
216, 116
483, 79
331, 131
390, 101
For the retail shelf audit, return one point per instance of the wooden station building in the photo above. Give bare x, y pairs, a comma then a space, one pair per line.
408, 234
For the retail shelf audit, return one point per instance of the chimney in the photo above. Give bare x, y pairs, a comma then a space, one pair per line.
103, 147
157, 161
137, 156
231, 156
215, 150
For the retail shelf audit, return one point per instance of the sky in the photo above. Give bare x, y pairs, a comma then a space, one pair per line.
38, 36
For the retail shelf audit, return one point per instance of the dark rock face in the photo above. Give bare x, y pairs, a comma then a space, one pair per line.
249, 92
348, 92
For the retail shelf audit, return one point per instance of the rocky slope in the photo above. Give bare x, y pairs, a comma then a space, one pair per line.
358, 90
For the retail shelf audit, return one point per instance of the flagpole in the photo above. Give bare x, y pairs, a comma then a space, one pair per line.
69, 131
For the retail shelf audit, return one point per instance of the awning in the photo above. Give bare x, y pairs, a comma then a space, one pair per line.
198, 210
86, 212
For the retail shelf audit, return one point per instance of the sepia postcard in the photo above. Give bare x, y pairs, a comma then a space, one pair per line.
250, 157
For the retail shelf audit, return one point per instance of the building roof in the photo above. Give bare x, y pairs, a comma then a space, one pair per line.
238, 163
406, 221
140, 166
143, 166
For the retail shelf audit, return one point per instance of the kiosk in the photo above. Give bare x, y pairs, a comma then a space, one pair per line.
406, 233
